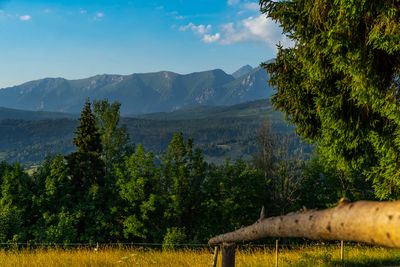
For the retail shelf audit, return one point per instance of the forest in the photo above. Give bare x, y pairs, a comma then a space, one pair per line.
109, 190
219, 131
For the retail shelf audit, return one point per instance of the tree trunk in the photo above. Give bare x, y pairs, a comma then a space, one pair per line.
363, 221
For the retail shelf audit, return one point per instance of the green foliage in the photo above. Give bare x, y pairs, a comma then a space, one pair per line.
114, 138
178, 199
87, 138
139, 187
339, 83
174, 237
182, 172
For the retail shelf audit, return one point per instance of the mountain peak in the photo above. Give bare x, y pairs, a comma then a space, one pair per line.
242, 71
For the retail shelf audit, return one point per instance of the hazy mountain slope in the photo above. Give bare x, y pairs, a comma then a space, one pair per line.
242, 71
248, 87
138, 93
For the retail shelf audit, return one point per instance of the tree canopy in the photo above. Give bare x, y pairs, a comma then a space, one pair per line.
339, 83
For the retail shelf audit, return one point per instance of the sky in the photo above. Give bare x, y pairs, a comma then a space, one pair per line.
78, 39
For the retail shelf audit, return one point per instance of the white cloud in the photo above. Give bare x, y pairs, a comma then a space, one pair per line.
82, 11
47, 11
254, 29
208, 38
203, 31
25, 17
200, 29
100, 15
232, 2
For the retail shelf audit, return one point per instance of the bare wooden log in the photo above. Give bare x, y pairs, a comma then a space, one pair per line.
363, 221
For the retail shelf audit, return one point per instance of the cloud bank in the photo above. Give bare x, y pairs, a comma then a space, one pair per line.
257, 29
25, 17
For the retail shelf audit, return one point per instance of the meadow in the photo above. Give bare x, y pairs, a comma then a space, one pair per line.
301, 256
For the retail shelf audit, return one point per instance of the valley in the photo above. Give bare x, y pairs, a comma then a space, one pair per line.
219, 131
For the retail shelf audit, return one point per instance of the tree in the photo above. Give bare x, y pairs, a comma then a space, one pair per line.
281, 169
264, 159
16, 213
86, 169
182, 171
114, 138
85, 164
139, 186
115, 147
55, 202
339, 83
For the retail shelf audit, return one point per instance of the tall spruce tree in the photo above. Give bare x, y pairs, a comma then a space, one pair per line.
86, 170
339, 83
85, 164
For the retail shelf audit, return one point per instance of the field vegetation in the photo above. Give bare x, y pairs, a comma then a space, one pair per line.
301, 256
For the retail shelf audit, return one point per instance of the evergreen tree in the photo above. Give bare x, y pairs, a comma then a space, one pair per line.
86, 169
339, 83
85, 164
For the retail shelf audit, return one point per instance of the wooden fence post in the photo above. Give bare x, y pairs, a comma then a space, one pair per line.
215, 256
228, 255
276, 252
341, 251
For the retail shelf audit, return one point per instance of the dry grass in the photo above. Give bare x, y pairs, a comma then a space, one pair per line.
306, 256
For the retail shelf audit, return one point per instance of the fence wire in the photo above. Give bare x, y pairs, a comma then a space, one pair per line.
160, 245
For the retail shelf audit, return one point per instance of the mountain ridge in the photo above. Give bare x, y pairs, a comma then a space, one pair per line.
139, 93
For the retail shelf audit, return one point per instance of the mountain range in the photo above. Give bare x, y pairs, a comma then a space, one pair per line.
141, 93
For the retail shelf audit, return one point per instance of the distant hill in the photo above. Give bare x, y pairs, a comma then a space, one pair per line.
139, 93
219, 132
242, 71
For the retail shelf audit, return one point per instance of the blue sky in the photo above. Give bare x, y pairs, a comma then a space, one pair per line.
77, 39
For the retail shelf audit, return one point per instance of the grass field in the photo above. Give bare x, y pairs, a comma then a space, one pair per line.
306, 256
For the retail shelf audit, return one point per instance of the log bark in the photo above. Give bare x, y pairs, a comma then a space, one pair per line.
363, 221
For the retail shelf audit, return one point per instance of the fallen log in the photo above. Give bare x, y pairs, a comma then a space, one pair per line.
362, 221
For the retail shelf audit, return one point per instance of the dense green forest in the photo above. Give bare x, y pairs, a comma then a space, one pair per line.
219, 131
338, 86
109, 190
